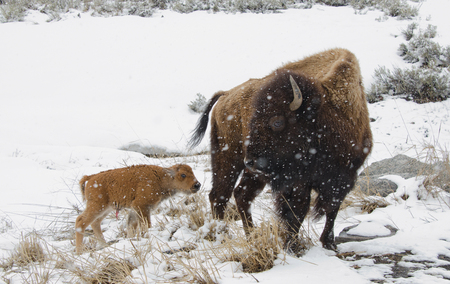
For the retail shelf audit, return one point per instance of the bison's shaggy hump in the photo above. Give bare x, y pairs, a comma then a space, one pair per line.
305, 126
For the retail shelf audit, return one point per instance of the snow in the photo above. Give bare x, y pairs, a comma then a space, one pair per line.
369, 229
76, 91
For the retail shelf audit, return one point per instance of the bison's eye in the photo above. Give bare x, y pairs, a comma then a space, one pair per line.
183, 176
277, 123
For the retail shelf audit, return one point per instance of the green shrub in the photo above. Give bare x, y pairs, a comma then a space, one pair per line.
421, 49
243, 6
16, 10
13, 11
399, 8
418, 84
393, 8
335, 3
409, 32
199, 104
427, 81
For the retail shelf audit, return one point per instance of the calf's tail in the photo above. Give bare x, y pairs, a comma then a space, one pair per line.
83, 181
199, 132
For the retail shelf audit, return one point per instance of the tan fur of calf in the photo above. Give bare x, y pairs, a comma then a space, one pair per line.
138, 187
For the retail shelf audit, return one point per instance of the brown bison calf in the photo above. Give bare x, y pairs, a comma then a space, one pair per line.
138, 187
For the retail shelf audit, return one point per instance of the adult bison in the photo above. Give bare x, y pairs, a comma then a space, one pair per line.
303, 127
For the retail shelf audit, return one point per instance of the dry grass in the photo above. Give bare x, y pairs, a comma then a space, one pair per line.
154, 257
113, 271
28, 251
102, 268
366, 203
194, 267
258, 251
439, 177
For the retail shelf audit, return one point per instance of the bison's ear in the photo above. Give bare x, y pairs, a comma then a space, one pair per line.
298, 98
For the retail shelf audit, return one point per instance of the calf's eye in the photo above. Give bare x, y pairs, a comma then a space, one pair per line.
183, 175
277, 123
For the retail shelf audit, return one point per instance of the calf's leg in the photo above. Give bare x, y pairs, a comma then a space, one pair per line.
138, 219
92, 215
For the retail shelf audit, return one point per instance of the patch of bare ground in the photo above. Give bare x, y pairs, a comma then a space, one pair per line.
401, 265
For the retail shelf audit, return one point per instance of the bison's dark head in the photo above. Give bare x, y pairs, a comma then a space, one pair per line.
283, 125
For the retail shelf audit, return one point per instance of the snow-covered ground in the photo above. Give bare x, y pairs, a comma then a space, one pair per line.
74, 92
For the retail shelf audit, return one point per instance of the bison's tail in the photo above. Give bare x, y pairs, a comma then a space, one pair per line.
82, 186
199, 132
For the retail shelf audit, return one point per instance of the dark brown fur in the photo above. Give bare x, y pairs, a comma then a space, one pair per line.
319, 146
141, 188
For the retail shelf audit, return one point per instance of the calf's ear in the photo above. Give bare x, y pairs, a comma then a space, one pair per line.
171, 172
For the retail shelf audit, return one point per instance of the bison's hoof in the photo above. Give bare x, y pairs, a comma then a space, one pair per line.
297, 246
330, 246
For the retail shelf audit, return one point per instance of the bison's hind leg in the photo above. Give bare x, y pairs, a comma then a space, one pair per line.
226, 169
249, 187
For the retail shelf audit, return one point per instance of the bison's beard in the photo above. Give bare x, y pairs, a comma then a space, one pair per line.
284, 176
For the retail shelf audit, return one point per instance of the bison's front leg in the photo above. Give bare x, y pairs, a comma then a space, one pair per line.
292, 205
249, 187
331, 194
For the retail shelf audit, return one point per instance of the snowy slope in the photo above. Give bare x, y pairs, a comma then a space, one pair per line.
75, 91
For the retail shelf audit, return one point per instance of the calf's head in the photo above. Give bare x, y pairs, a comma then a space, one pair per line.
284, 112
183, 179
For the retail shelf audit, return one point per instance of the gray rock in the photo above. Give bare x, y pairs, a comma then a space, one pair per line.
369, 180
374, 185
345, 237
399, 165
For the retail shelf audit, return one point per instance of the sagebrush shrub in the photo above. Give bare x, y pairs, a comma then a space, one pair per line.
418, 84
392, 8
399, 8
16, 10
334, 2
420, 48
199, 104
409, 32
427, 81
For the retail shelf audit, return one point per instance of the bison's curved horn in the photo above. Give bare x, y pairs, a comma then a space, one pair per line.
298, 98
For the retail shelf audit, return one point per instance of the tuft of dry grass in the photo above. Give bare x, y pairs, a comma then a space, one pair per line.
195, 209
113, 271
439, 176
195, 270
102, 268
28, 251
256, 252
366, 203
